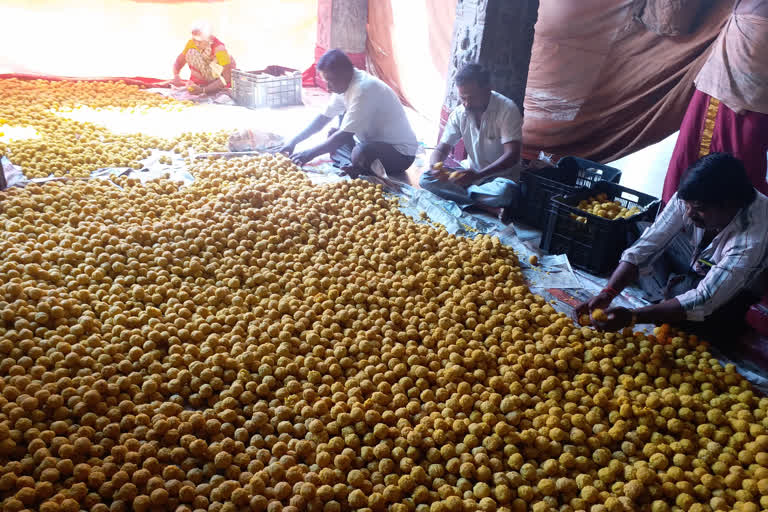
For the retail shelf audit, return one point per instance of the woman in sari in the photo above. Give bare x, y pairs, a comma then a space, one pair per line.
729, 108
209, 62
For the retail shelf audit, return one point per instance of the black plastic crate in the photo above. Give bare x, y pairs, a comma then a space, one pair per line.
588, 172
571, 175
595, 246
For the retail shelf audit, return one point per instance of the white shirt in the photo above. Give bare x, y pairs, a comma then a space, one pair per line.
373, 114
499, 124
738, 254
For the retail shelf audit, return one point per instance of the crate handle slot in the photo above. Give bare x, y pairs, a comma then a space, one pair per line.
630, 197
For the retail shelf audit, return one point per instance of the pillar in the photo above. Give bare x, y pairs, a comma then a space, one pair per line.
342, 24
497, 34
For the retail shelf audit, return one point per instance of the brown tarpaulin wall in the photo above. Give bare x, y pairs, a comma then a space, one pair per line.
600, 84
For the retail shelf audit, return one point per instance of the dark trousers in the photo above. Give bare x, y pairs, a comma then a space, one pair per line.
356, 158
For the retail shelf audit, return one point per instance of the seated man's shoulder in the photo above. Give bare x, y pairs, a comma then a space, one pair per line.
761, 199
363, 83
759, 209
506, 103
373, 85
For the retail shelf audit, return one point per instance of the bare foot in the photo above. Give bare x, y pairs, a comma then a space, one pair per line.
506, 214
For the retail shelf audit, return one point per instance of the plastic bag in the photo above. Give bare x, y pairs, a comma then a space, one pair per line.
254, 140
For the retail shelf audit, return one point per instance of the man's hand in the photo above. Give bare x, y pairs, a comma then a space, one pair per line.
464, 178
288, 148
615, 319
453, 175
177, 81
352, 171
302, 157
331, 131
600, 301
195, 89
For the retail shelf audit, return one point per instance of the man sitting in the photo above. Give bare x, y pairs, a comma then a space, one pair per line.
720, 220
373, 126
491, 127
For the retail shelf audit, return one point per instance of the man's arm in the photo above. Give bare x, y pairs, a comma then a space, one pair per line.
509, 158
668, 312
624, 275
333, 143
721, 284
440, 153
317, 124
651, 244
451, 136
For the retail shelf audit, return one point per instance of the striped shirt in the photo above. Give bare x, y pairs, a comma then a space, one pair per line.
733, 262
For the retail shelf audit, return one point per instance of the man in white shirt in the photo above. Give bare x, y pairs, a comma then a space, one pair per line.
491, 127
722, 221
373, 125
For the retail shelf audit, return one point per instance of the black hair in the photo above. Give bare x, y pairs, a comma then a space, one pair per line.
335, 61
718, 179
473, 73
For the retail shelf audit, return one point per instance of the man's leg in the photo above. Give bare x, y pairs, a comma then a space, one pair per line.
725, 326
445, 188
342, 157
675, 260
497, 193
679, 254
394, 162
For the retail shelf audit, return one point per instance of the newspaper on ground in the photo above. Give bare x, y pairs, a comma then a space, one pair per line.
440, 211
552, 271
10, 175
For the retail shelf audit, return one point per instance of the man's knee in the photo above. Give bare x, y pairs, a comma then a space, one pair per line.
361, 156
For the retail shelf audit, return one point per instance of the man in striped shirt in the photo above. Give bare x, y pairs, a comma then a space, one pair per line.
722, 221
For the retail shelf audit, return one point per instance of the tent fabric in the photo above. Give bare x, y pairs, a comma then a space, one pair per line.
671, 17
409, 47
382, 60
88, 38
736, 71
630, 88
635, 84
339, 26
